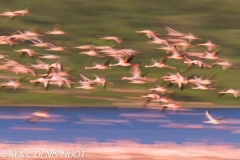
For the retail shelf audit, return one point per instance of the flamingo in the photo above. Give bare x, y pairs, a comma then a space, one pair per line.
212, 55
111, 38
173, 105
204, 82
150, 97
57, 48
86, 47
175, 54
30, 33
56, 31
101, 80
39, 43
149, 33
191, 63
22, 69
49, 56
159, 64
39, 115
137, 76
86, 85
180, 80
183, 44
122, 62
59, 80
212, 120
236, 93
202, 87
45, 82
173, 33
190, 37
210, 46
23, 12
157, 40
225, 64
9, 14
30, 52
163, 100
160, 89
102, 66
12, 84
91, 53
168, 48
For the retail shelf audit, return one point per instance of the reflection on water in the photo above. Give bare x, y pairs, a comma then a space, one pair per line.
119, 150
144, 125
122, 132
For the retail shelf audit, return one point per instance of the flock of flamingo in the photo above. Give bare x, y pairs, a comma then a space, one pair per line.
174, 43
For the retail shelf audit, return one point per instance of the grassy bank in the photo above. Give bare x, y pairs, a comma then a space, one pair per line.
83, 20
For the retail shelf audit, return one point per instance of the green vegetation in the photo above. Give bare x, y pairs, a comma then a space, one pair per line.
217, 20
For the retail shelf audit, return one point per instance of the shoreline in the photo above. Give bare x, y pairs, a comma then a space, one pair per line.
130, 105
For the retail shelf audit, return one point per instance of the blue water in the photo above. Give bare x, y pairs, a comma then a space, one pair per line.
103, 124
